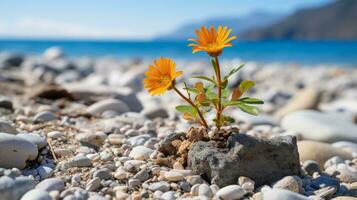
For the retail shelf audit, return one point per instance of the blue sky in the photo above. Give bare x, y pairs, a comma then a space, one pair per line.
122, 19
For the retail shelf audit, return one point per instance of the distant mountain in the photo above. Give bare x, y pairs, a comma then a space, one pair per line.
337, 20
239, 25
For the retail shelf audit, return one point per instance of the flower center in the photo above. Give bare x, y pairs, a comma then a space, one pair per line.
165, 80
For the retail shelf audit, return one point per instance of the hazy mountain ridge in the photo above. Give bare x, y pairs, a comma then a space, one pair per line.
335, 21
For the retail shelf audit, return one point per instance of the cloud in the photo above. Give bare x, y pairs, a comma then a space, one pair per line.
48, 28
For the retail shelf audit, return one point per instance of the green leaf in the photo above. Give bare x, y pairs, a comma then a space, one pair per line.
225, 93
214, 65
187, 109
230, 103
224, 83
248, 109
233, 71
249, 100
194, 90
206, 78
228, 119
246, 85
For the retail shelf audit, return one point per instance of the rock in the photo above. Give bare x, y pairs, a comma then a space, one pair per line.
106, 105
55, 134
345, 173
142, 175
53, 53
44, 171
15, 151
116, 139
93, 184
281, 194
173, 176
333, 161
102, 174
8, 60
264, 161
93, 140
170, 195
308, 98
166, 146
161, 186
205, 190
324, 181
51, 184
140, 153
45, 116
80, 161
313, 125
319, 152
6, 127
34, 138
156, 112
97, 197
311, 166
230, 192
344, 198
292, 183
36, 194
51, 92
6, 103
14, 189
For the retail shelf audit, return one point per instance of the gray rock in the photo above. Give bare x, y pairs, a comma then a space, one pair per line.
93, 184
15, 151
165, 145
324, 181
142, 175
6, 103
292, 183
13, 189
80, 161
230, 192
45, 116
264, 161
34, 138
155, 113
44, 171
51, 184
170, 195
162, 186
22, 185
106, 105
311, 166
10, 60
102, 174
36, 194
275, 194
6, 127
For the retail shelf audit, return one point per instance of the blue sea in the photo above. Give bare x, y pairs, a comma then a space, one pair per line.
300, 52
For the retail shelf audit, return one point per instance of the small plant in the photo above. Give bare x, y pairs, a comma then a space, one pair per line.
214, 92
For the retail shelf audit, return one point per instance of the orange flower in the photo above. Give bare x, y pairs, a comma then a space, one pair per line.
161, 76
212, 41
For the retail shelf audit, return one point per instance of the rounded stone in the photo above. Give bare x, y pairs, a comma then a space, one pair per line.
34, 138
36, 194
281, 194
108, 105
51, 184
6, 127
44, 116
140, 153
230, 192
173, 176
15, 151
292, 183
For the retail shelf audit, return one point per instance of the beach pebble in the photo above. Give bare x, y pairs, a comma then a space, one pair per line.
51, 184
333, 161
319, 152
102, 174
140, 153
6, 127
34, 138
173, 176
80, 161
169, 195
93, 184
281, 194
311, 166
91, 139
230, 192
44, 116
323, 127
55, 134
44, 171
205, 190
116, 139
292, 183
163, 186
108, 105
53, 53
36, 194
15, 151
345, 173
14, 188
6, 103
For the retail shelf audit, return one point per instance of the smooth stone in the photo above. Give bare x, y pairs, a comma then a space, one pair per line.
108, 104
333, 161
140, 153
55, 134
97, 197
44, 116
44, 171
170, 195
205, 190
324, 181
311, 166
51, 184
53, 53
319, 152
280, 194
307, 98
34, 138
161, 186
80, 161
6, 103
15, 188
345, 198
15, 151
323, 127
6, 127
345, 173
36, 194
142, 175
94, 140
173, 176
230, 192
292, 183
93, 184
102, 174
116, 139
155, 112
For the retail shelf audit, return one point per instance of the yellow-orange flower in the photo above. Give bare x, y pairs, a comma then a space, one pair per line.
161, 76
212, 41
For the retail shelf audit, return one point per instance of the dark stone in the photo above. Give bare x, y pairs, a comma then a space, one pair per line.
324, 181
8, 60
311, 166
51, 92
165, 145
264, 161
6, 103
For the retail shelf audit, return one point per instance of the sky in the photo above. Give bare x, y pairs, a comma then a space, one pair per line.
123, 19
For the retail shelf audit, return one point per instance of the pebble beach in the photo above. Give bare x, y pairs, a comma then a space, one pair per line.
84, 128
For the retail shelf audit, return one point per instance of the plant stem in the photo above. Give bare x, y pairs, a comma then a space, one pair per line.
193, 105
219, 88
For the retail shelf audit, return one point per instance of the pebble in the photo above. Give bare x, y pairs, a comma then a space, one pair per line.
15, 151
345, 173
80, 161
44, 171
205, 190
120, 174
6, 103
230, 192
173, 176
311, 166
161, 185
275, 194
6, 127
115, 139
34, 138
142, 175
102, 174
292, 183
36, 194
91, 139
44, 116
108, 105
55, 134
93, 184
51, 184
140, 153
